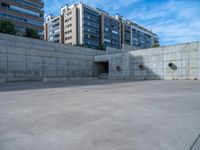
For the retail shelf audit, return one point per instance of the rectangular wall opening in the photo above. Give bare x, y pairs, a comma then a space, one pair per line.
102, 70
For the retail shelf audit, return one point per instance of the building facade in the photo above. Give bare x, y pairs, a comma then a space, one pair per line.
53, 29
111, 31
126, 34
69, 25
24, 14
137, 36
89, 26
80, 24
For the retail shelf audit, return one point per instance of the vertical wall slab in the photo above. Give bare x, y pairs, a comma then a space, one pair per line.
125, 65
155, 64
24, 59
185, 62
16, 63
172, 55
193, 61
116, 69
3, 63
198, 59
157, 60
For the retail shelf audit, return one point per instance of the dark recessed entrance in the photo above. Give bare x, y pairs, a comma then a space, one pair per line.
102, 69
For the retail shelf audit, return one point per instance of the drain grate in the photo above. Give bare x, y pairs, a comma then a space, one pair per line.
196, 145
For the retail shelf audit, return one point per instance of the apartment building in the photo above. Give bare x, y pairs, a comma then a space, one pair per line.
69, 25
126, 34
89, 26
53, 29
137, 36
23, 13
110, 31
80, 24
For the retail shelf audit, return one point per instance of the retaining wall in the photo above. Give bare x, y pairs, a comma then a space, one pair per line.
156, 61
24, 59
153, 63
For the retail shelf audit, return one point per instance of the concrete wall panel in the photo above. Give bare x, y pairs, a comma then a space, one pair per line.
3, 49
29, 59
15, 50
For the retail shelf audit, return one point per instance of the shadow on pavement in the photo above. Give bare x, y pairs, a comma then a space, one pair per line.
17, 86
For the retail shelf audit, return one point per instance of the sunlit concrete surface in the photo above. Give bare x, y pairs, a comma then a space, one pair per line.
99, 115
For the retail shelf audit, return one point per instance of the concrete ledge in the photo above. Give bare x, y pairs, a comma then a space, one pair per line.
66, 79
2, 80
182, 78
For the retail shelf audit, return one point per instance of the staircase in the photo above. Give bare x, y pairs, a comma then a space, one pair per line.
103, 76
196, 144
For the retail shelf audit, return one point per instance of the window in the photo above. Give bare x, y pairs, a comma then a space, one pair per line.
68, 38
106, 29
107, 40
20, 28
26, 11
55, 20
55, 25
69, 25
5, 5
69, 13
56, 30
115, 32
31, 4
67, 20
69, 31
14, 17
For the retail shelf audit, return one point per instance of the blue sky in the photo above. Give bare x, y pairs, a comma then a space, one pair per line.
175, 21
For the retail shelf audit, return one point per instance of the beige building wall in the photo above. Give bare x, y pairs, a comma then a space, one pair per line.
70, 26
46, 35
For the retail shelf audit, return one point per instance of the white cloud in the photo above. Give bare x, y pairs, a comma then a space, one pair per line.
53, 6
174, 21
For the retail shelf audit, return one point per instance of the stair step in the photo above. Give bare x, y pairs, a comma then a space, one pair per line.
103, 76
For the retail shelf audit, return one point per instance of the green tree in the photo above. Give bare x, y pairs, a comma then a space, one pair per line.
7, 26
156, 45
32, 33
102, 47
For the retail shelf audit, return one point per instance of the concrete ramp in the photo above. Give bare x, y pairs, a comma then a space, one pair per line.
103, 76
196, 145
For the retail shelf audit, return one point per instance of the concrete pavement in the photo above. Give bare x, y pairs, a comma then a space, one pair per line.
99, 115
